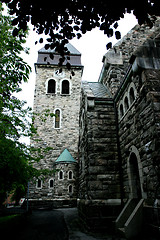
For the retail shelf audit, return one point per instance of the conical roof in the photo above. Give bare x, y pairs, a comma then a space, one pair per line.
65, 157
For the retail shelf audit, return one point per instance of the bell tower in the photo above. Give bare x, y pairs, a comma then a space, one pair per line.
57, 92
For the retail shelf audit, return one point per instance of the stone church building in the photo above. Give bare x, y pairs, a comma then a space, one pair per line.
105, 135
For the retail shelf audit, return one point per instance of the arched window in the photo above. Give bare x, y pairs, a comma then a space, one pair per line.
126, 104
131, 95
65, 87
57, 118
39, 183
51, 88
121, 111
70, 189
51, 183
70, 175
61, 175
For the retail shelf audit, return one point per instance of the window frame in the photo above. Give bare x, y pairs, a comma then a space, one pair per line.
47, 82
61, 87
60, 119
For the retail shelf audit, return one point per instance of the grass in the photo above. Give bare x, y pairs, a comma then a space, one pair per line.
9, 218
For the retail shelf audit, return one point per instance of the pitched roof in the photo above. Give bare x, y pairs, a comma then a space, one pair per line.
99, 90
96, 90
65, 157
45, 59
70, 47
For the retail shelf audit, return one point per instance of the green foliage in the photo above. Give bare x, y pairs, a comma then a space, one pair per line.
64, 20
16, 159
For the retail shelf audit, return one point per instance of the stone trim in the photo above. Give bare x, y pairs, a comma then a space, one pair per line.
134, 150
46, 86
60, 123
70, 87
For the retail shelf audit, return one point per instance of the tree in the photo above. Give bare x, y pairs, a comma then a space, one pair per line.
64, 20
16, 159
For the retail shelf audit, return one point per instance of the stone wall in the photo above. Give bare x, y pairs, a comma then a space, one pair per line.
99, 185
62, 185
117, 60
66, 136
139, 133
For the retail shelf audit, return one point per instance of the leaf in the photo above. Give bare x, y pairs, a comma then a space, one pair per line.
118, 35
51, 56
109, 32
115, 25
76, 28
73, 73
79, 35
109, 45
52, 114
68, 65
41, 40
15, 32
47, 46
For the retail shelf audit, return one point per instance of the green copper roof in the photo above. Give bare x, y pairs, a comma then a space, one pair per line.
65, 157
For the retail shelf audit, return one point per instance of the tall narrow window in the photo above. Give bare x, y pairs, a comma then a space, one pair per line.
132, 96
57, 118
70, 189
126, 104
70, 175
39, 183
51, 86
65, 87
51, 183
121, 111
61, 175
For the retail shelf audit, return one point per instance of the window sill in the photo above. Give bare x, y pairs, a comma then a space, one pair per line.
63, 94
51, 94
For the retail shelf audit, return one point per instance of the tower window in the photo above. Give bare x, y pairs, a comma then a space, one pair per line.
51, 183
51, 86
65, 87
70, 189
57, 118
70, 175
39, 183
61, 175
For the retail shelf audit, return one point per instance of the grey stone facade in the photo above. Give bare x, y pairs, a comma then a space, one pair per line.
99, 180
119, 135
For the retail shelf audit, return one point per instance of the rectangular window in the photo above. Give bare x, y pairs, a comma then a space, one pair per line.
57, 119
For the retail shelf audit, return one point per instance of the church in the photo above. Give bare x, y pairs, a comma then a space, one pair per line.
104, 135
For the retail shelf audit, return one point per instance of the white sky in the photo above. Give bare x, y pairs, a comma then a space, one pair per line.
92, 46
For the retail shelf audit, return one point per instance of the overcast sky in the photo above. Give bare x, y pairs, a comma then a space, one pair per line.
92, 46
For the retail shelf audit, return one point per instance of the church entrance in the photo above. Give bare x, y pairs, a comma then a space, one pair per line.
134, 177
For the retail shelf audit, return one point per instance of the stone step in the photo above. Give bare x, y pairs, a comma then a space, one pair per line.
121, 232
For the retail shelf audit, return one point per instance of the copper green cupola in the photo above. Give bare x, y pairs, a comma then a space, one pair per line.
65, 157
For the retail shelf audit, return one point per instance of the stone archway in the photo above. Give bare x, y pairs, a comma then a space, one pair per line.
135, 174
135, 177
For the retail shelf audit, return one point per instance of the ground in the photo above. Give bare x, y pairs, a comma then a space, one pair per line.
59, 224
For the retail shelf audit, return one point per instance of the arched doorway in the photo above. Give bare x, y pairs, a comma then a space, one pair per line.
134, 177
